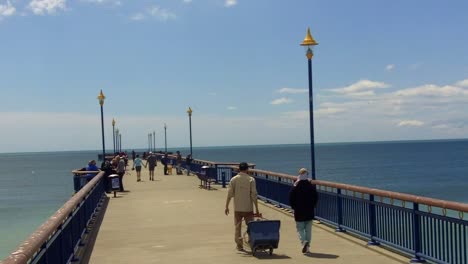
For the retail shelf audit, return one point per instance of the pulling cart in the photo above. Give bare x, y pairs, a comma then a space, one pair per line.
263, 234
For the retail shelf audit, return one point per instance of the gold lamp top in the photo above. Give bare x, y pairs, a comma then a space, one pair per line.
101, 98
309, 40
113, 122
189, 111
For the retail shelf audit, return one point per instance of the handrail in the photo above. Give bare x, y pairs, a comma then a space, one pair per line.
26, 250
84, 172
444, 204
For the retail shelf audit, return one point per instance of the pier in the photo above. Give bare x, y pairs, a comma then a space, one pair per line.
172, 220
176, 218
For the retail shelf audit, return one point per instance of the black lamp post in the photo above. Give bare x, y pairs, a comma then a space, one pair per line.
309, 43
101, 99
120, 142
117, 141
154, 141
113, 134
189, 112
165, 138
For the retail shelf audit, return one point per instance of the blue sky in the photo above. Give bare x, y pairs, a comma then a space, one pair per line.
383, 70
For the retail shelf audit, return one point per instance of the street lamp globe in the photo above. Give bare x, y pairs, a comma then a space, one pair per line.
189, 111
101, 98
309, 43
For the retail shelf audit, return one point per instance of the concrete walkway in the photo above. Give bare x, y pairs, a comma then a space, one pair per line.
171, 220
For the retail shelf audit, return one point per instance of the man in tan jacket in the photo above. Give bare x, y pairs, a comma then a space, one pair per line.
244, 191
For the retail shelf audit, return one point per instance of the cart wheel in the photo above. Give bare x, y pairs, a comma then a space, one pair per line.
271, 251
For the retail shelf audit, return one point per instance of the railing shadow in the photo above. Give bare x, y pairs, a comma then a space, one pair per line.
91, 238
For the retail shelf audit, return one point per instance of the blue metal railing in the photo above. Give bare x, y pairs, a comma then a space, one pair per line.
424, 228
57, 240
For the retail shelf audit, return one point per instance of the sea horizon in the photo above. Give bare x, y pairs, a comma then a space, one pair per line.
254, 145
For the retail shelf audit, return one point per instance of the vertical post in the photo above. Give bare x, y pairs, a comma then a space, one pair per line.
223, 178
102, 127
120, 142
416, 234
311, 120
165, 138
150, 142
372, 222
154, 141
339, 209
113, 134
190, 126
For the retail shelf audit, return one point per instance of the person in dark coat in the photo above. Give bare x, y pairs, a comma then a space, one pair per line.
303, 200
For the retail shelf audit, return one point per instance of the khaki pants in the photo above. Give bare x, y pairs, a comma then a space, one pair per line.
238, 216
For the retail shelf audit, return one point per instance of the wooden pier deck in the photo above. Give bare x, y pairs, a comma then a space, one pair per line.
171, 220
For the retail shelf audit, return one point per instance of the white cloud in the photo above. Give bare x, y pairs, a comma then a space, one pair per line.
112, 2
292, 91
282, 100
415, 66
161, 13
360, 86
390, 67
157, 12
7, 10
433, 90
231, 108
296, 115
463, 83
329, 111
43, 7
415, 123
187, 1
230, 3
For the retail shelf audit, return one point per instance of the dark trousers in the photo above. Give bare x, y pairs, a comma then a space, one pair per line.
165, 169
121, 174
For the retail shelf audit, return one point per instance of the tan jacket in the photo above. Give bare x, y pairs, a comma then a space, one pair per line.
242, 187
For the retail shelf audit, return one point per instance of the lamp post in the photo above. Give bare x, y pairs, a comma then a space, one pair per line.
113, 133
154, 141
165, 138
120, 142
150, 142
117, 141
189, 112
309, 43
101, 99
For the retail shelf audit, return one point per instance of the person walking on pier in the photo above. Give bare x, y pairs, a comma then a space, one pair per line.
303, 200
178, 163
137, 165
243, 189
151, 162
165, 161
120, 171
188, 163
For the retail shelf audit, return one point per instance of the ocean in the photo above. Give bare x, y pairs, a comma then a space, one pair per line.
34, 185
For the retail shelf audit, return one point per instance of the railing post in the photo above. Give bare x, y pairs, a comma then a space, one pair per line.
223, 178
339, 208
372, 222
416, 234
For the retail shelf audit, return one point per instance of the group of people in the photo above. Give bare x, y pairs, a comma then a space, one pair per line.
303, 199
151, 163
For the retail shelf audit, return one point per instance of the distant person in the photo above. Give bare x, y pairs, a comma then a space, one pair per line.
106, 166
303, 200
188, 163
178, 163
137, 165
165, 161
244, 191
121, 171
91, 167
133, 155
151, 163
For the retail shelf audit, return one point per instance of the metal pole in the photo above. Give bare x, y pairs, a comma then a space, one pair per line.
154, 141
165, 139
120, 141
113, 137
190, 125
311, 116
102, 127
150, 142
